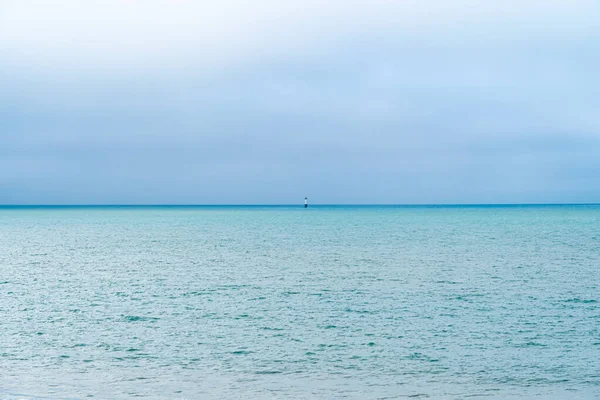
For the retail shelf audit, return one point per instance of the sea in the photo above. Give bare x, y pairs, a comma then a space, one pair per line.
282, 302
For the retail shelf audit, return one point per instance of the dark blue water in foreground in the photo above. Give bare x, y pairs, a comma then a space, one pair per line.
332, 302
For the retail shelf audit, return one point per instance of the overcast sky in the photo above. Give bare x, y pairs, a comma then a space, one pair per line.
269, 101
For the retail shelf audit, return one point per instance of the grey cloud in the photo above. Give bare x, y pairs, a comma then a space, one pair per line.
385, 118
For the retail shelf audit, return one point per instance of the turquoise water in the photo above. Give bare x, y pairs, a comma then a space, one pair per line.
287, 303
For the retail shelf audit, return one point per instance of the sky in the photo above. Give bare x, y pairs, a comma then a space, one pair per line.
266, 102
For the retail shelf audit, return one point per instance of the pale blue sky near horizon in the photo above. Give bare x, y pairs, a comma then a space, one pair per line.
382, 101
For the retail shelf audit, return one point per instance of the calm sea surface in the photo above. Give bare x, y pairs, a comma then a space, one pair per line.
287, 303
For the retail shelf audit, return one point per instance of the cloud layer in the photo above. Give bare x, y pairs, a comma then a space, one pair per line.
459, 101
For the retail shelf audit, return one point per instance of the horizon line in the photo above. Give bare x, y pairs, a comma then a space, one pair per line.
296, 205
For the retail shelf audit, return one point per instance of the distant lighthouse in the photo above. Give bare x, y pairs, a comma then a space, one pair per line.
306, 202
